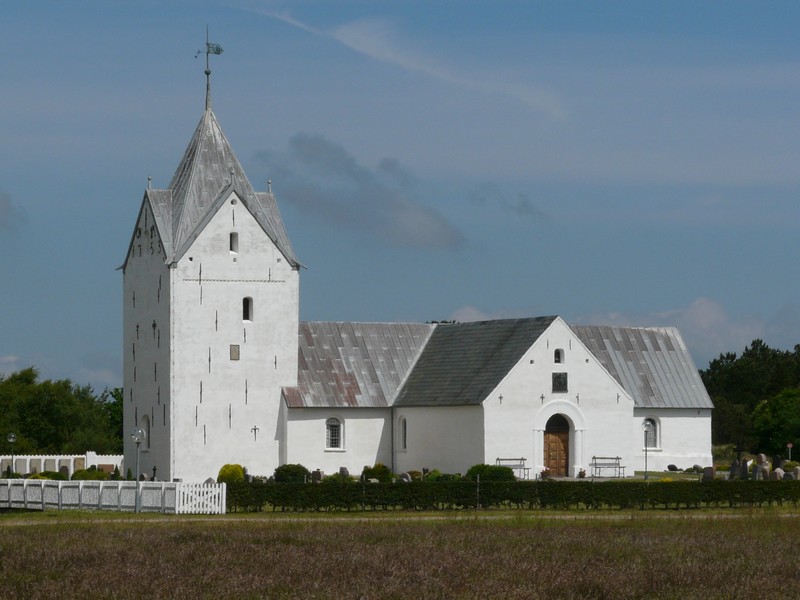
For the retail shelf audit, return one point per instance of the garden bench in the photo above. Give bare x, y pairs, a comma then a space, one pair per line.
603, 463
516, 464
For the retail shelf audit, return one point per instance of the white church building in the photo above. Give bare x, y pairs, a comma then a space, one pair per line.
218, 368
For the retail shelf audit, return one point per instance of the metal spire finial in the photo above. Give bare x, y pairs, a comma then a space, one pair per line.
210, 49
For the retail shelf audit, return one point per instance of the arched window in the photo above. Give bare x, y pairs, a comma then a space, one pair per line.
403, 434
333, 434
247, 309
558, 356
234, 242
650, 428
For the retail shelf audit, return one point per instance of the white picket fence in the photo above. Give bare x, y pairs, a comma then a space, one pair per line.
153, 496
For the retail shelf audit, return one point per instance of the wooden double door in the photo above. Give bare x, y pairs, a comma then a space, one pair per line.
556, 446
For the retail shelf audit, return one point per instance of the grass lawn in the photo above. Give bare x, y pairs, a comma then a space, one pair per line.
672, 554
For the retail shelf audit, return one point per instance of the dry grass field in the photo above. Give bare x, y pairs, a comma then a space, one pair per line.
680, 555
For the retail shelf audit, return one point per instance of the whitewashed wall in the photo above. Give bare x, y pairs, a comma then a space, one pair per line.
366, 433
450, 439
218, 401
146, 349
596, 406
684, 438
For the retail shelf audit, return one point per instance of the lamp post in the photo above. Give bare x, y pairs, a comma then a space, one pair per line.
12, 437
138, 436
647, 427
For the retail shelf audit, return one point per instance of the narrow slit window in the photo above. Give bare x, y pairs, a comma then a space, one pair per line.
247, 309
234, 242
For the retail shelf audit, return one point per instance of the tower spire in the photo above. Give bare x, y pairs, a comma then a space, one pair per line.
210, 49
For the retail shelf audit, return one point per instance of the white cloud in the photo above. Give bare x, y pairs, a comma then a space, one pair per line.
705, 325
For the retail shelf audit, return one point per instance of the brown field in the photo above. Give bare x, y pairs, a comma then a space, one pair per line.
681, 555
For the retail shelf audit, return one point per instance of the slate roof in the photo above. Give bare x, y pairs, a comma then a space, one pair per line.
208, 171
651, 363
354, 364
406, 364
463, 362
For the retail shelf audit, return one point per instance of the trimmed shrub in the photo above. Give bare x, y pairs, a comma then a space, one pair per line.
380, 472
292, 473
338, 478
230, 474
490, 473
90, 474
51, 475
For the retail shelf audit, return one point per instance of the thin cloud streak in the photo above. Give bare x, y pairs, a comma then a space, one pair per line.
376, 39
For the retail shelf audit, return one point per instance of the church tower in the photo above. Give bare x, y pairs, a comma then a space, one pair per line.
210, 317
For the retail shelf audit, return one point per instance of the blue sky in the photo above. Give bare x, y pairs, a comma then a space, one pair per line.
614, 163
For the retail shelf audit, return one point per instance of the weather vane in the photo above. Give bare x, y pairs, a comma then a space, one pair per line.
210, 49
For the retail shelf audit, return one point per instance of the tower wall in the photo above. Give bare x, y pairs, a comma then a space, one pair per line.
146, 344
229, 362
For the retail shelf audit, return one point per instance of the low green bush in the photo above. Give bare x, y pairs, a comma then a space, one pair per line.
338, 478
562, 495
490, 473
51, 475
380, 472
90, 474
292, 473
230, 473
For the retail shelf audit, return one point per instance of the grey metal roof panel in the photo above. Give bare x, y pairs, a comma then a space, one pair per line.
161, 205
208, 169
651, 363
354, 364
463, 362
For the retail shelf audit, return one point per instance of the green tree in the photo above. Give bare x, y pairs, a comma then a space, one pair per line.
776, 421
737, 384
54, 417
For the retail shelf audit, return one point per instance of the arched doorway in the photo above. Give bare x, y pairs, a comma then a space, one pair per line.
556, 446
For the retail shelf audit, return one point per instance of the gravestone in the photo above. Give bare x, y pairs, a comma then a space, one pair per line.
764, 472
733, 472
776, 475
761, 459
64, 470
316, 476
405, 478
744, 470
788, 477
709, 473
344, 472
796, 473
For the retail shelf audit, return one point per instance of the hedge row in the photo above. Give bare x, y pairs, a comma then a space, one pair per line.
256, 496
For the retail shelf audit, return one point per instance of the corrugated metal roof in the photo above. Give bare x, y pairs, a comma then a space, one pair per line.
208, 171
463, 362
651, 363
354, 364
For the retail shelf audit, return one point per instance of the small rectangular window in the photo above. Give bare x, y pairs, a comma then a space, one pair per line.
234, 351
234, 243
559, 382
